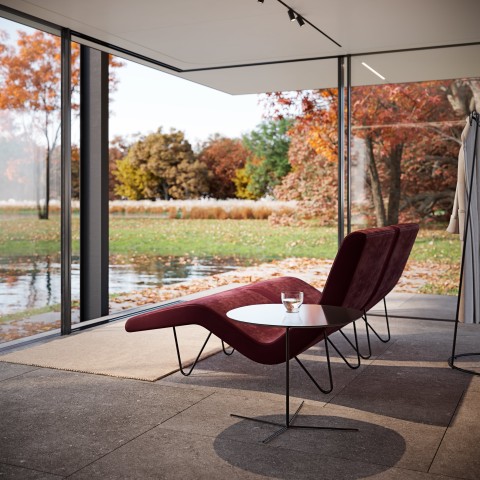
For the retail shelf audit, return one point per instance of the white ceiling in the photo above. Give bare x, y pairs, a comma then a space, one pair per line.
204, 34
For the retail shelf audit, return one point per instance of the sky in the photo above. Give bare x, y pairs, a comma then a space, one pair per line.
147, 99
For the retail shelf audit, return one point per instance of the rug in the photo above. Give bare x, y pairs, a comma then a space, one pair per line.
110, 350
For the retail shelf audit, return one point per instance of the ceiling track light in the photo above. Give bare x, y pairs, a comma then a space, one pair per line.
293, 15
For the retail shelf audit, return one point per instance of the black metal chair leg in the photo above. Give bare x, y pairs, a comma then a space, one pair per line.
330, 387
180, 359
355, 348
384, 340
225, 350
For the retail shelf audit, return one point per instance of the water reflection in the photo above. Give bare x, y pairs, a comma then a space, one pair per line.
34, 282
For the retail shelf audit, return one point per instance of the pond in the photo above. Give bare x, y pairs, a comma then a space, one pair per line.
32, 282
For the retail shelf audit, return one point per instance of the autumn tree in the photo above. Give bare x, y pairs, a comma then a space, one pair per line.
406, 158
312, 181
30, 75
118, 150
268, 161
223, 157
161, 165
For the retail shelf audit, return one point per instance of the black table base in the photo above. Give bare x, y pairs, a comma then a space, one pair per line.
289, 421
283, 428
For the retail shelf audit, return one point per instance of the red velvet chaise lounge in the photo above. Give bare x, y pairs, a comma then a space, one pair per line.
356, 273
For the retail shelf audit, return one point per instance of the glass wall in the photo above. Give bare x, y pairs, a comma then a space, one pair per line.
207, 188
408, 112
29, 181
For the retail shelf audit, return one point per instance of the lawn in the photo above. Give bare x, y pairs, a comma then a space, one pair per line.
256, 239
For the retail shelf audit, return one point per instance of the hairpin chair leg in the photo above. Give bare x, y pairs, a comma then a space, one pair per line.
225, 350
180, 359
384, 340
330, 387
355, 348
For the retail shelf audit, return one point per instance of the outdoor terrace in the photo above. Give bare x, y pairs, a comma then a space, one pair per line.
417, 418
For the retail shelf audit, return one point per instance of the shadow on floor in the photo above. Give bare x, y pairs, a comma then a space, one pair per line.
378, 446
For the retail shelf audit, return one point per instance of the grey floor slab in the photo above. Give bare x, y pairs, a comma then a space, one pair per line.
165, 454
458, 454
379, 440
9, 370
57, 422
414, 393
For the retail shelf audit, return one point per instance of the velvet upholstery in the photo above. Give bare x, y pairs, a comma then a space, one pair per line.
357, 266
405, 235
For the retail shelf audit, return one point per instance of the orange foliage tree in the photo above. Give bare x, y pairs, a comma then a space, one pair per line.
223, 156
30, 75
409, 136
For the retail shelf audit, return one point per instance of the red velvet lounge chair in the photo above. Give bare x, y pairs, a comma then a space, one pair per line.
356, 268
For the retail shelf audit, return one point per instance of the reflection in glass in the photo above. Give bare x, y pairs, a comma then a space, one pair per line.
29, 180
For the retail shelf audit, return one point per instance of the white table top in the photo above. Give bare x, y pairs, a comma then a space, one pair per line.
275, 315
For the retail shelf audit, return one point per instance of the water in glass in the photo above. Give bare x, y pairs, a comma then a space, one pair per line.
292, 301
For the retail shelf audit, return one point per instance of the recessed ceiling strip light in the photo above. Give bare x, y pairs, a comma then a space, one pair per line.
373, 71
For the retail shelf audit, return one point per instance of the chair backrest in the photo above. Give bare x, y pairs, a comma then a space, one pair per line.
405, 236
357, 267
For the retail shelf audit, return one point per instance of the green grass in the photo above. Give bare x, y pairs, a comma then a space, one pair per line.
255, 239
133, 236
22, 235
436, 245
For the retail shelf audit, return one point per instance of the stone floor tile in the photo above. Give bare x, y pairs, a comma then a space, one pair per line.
458, 454
56, 421
8, 370
164, 454
380, 439
420, 394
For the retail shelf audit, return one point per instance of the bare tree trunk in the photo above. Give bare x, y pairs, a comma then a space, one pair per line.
43, 210
375, 187
395, 167
475, 100
464, 96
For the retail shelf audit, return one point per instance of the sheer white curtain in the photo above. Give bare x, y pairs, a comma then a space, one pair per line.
469, 157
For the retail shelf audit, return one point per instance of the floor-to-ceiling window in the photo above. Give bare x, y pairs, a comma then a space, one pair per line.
29, 180
408, 112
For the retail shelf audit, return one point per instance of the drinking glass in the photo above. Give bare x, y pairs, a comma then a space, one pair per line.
292, 301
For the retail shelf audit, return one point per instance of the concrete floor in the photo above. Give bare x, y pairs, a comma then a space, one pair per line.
417, 418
